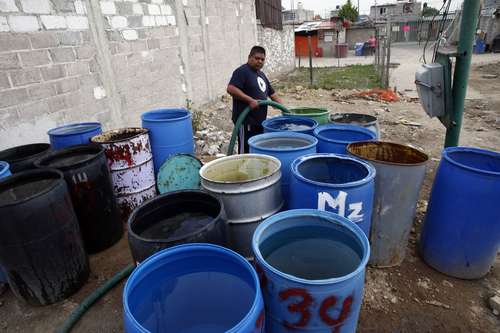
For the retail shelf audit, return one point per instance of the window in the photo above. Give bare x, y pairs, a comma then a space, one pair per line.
383, 10
269, 13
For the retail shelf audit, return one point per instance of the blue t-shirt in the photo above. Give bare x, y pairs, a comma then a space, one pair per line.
256, 85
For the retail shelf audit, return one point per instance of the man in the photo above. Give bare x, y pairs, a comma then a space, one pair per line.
372, 43
249, 84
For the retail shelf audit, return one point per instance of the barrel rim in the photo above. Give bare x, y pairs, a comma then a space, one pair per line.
31, 174
52, 130
393, 144
150, 201
4, 167
46, 147
331, 217
233, 157
266, 123
295, 172
479, 151
323, 111
165, 110
97, 151
373, 120
180, 249
342, 127
140, 131
285, 134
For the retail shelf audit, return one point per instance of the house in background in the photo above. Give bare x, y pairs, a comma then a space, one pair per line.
489, 24
397, 12
298, 15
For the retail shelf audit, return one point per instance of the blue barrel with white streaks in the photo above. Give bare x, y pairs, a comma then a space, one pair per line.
4, 172
333, 182
334, 138
311, 266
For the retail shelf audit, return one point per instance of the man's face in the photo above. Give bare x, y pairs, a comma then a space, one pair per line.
257, 60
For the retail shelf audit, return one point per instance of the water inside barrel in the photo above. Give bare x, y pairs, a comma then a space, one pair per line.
24, 190
282, 143
74, 129
68, 160
312, 252
293, 127
176, 226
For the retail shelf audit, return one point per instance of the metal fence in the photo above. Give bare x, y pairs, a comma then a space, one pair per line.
269, 13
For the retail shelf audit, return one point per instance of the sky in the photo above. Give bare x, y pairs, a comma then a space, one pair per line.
322, 6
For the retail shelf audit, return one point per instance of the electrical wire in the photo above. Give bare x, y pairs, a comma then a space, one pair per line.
440, 37
428, 29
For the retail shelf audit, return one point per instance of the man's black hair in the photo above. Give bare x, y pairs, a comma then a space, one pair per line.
257, 49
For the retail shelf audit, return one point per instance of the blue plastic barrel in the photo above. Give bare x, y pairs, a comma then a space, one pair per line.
194, 288
291, 124
311, 265
337, 183
170, 132
73, 134
461, 233
4, 172
285, 146
335, 138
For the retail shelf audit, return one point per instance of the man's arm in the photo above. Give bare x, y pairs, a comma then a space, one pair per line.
275, 98
239, 94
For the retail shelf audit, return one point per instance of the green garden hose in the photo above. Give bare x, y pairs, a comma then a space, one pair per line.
242, 117
92, 298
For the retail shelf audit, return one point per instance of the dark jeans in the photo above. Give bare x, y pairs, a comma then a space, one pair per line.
245, 133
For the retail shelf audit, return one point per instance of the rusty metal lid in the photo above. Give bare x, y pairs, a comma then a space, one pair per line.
179, 172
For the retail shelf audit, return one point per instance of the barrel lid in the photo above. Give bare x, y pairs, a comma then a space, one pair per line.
179, 172
72, 129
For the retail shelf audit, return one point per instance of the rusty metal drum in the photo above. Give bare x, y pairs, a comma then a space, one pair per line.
130, 160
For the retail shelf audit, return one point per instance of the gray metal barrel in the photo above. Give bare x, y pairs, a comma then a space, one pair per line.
128, 152
367, 121
400, 174
249, 185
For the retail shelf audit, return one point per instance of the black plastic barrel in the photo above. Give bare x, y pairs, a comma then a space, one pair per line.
22, 158
41, 248
188, 216
86, 172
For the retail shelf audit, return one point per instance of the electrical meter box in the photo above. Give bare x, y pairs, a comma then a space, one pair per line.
429, 79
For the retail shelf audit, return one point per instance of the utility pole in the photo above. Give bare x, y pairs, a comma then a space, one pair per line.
461, 75
309, 44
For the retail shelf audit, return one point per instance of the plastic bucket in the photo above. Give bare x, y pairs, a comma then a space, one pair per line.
4, 172
461, 233
337, 183
73, 134
170, 132
41, 248
188, 216
194, 288
302, 125
311, 266
22, 158
86, 172
358, 119
400, 175
285, 146
320, 115
335, 138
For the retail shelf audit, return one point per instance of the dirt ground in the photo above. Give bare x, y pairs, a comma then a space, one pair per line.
409, 298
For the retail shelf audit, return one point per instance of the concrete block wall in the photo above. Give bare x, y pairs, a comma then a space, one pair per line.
280, 49
64, 61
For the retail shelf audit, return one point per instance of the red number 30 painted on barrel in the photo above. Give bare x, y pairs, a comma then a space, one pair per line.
306, 301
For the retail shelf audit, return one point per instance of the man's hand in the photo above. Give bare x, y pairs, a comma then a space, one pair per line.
254, 105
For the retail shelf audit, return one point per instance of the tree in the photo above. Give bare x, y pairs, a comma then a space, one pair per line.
429, 11
348, 12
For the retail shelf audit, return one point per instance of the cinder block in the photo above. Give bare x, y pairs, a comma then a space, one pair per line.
9, 61
137, 9
35, 58
124, 8
166, 10
8, 6
169, 42
114, 36
51, 22
69, 38
138, 46
99, 92
154, 10
86, 36
36, 6
118, 22
73, 99
130, 34
77, 22
4, 26
34, 110
56, 104
53, 72
13, 97
153, 44
80, 7
93, 66
67, 85
85, 52
135, 21
171, 20
4, 81
40, 91
148, 21
63, 6
12, 42
77, 68
23, 23
42, 40
161, 20
91, 80
108, 8
63, 54
24, 77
